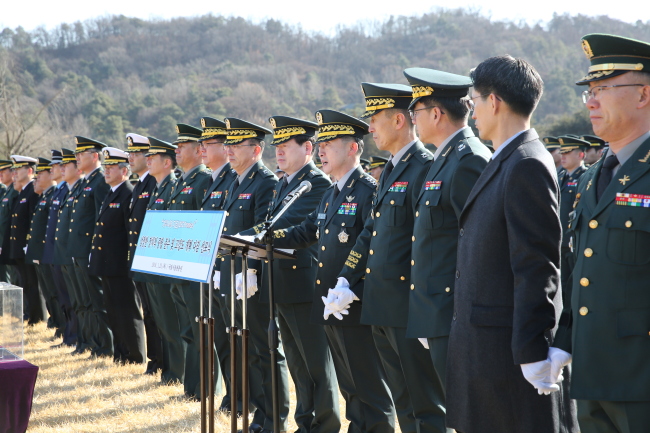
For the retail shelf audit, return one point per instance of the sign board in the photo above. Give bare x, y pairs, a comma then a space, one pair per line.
179, 244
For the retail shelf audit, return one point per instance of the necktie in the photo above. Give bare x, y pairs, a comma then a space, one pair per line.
285, 182
234, 186
388, 169
335, 192
606, 173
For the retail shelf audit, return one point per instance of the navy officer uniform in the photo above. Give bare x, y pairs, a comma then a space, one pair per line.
333, 228
7, 204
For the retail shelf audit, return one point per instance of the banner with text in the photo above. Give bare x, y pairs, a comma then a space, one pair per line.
179, 244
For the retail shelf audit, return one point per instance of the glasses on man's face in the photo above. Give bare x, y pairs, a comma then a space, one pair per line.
206, 144
595, 91
471, 100
414, 113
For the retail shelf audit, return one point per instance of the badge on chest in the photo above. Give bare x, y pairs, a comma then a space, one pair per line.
398, 187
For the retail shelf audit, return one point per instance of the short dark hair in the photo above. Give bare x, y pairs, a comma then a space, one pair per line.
171, 158
642, 75
404, 111
514, 80
349, 138
456, 108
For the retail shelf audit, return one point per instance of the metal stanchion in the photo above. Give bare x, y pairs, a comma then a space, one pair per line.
211, 366
200, 319
273, 331
233, 345
244, 341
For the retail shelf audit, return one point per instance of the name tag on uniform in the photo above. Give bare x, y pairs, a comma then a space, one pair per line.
636, 200
322, 216
347, 209
144, 195
574, 183
398, 187
88, 188
56, 202
245, 196
159, 200
432, 185
23, 200
187, 190
215, 194
114, 205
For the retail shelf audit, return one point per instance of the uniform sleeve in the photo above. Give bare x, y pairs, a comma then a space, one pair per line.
534, 236
467, 173
301, 236
101, 191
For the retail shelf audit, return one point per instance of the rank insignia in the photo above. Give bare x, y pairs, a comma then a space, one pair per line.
624, 179
347, 209
573, 183
215, 194
114, 205
589, 184
245, 196
343, 236
70, 199
636, 200
187, 190
398, 187
159, 200
575, 203
88, 188
23, 200
432, 185
349, 197
43, 202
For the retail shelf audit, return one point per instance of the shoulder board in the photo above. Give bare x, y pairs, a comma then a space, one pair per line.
471, 146
368, 180
206, 171
316, 173
423, 155
265, 172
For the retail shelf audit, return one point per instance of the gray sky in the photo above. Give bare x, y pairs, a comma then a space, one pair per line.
321, 16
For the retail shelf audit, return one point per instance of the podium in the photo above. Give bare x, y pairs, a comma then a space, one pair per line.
237, 247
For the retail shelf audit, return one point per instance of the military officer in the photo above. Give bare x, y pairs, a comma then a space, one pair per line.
137, 147
377, 164
609, 320
85, 211
45, 187
8, 200
109, 259
24, 168
382, 253
57, 200
246, 206
161, 162
553, 146
187, 194
334, 227
72, 177
595, 150
214, 157
459, 160
572, 151
365, 164
305, 344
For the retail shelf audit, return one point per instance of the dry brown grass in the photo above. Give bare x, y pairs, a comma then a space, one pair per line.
77, 394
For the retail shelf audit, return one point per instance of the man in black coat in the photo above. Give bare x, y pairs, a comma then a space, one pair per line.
138, 146
7, 196
21, 217
109, 259
507, 298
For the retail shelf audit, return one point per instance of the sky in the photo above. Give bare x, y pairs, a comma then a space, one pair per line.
319, 16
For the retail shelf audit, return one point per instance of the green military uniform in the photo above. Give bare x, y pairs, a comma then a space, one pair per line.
187, 194
163, 307
246, 206
82, 225
552, 144
459, 161
609, 320
383, 254
334, 227
595, 142
568, 189
305, 344
63, 259
8, 196
4, 274
213, 199
34, 254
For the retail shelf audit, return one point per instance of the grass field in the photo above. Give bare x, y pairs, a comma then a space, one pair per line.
77, 394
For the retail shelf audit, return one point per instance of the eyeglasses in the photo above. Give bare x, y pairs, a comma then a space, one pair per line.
595, 91
414, 113
205, 144
471, 100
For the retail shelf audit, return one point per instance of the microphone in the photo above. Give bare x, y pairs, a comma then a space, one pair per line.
304, 187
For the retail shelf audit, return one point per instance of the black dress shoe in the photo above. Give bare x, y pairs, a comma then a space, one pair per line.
254, 428
151, 371
77, 351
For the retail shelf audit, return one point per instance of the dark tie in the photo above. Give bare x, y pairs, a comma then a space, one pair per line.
285, 183
606, 173
388, 169
335, 192
234, 186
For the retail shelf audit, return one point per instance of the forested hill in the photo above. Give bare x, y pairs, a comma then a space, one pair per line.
112, 75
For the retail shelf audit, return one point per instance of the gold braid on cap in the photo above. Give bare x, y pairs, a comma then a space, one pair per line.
373, 104
337, 129
287, 132
209, 132
419, 91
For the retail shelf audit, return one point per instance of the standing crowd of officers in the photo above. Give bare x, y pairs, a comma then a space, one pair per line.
398, 288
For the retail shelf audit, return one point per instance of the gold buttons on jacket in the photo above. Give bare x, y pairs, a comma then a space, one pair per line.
374, 233
392, 202
583, 311
412, 286
412, 262
593, 224
372, 252
447, 289
320, 265
412, 238
225, 229
317, 281
227, 213
628, 224
295, 267
584, 282
323, 248
367, 270
417, 213
589, 252
402, 278
377, 214
327, 231
427, 203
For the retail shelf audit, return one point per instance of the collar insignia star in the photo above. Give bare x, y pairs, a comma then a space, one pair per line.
624, 179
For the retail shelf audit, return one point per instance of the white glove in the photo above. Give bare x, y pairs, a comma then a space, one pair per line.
559, 359
424, 342
344, 296
332, 307
538, 374
245, 238
251, 284
25, 249
216, 280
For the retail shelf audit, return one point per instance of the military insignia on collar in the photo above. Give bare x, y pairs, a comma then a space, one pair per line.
461, 146
343, 236
624, 179
587, 49
577, 200
589, 184
423, 155
349, 197
645, 158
